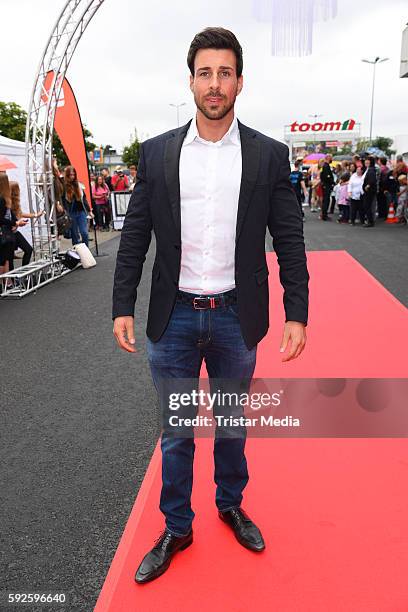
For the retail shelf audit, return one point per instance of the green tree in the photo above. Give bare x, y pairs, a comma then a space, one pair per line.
384, 144
381, 142
131, 153
12, 121
346, 149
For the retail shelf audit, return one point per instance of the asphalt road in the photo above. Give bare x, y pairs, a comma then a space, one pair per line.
78, 416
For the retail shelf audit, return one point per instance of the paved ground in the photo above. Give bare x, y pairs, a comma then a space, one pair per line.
101, 237
382, 250
78, 422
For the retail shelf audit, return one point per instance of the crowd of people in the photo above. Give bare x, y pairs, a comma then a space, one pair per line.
102, 184
74, 213
361, 190
71, 200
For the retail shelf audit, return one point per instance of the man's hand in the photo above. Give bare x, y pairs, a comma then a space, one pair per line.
294, 332
123, 330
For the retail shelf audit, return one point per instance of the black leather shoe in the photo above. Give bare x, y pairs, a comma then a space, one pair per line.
246, 532
157, 561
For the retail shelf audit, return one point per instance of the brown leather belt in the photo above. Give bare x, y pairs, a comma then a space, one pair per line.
203, 302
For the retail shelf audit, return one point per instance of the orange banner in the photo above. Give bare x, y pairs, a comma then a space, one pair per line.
68, 126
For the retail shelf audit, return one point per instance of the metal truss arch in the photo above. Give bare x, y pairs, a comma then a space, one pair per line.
64, 38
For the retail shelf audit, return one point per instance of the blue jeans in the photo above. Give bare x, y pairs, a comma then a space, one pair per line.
79, 226
191, 336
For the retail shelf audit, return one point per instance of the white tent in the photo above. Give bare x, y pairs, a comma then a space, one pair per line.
14, 150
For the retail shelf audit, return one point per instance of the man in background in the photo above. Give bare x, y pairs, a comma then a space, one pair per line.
120, 181
108, 179
132, 176
328, 182
297, 179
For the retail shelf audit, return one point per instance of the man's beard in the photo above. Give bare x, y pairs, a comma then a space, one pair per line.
218, 112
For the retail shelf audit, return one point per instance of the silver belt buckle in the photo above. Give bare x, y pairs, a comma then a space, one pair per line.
195, 306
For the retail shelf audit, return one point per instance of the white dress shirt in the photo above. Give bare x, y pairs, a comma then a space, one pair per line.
210, 180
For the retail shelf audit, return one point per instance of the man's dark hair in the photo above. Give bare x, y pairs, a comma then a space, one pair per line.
383, 160
215, 38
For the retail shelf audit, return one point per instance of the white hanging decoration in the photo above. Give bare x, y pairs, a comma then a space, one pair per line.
292, 22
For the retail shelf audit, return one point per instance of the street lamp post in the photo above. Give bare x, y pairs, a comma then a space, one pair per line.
315, 116
177, 106
374, 63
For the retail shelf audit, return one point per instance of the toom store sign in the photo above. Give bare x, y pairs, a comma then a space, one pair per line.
304, 138
327, 126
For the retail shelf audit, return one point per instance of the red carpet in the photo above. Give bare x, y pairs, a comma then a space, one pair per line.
332, 511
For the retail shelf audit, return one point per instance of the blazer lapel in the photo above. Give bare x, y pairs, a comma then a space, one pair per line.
171, 172
250, 151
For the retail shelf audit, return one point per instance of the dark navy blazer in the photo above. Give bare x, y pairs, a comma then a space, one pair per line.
266, 200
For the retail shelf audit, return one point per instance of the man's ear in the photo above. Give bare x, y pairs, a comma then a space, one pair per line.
240, 84
191, 82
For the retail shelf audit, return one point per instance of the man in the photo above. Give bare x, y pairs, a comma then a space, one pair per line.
327, 180
120, 181
107, 177
357, 161
390, 187
300, 160
369, 191
401, 166
297, 179
132, 176
209, 190
382, 188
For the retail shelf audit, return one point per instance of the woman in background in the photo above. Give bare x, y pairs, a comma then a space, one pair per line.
401, 212
76, 205
100, 195
20, 242
318, 188
343, 200
355, 191
8, 223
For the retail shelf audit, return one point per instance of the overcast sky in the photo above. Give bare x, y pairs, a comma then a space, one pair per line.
131, 64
